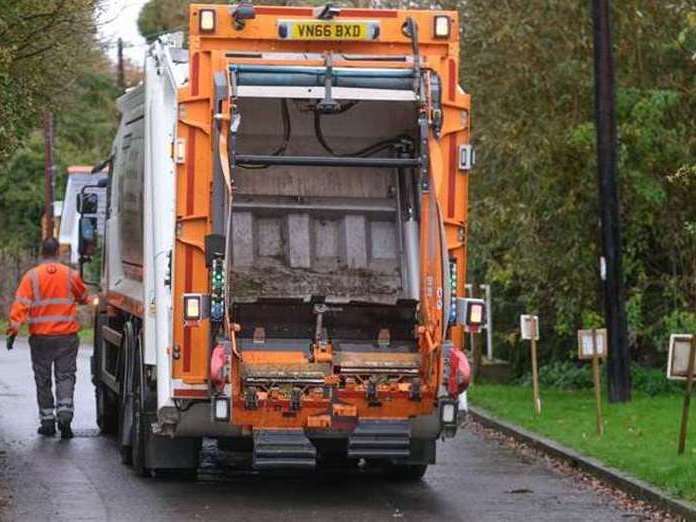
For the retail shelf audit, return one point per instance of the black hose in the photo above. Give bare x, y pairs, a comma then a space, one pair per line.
344, 108
287, 131
367, 151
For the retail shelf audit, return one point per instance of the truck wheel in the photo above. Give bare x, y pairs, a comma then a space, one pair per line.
406, 472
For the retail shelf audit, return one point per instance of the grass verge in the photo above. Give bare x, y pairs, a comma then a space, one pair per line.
639, 437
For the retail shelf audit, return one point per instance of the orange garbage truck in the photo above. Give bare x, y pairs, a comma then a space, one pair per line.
284, 260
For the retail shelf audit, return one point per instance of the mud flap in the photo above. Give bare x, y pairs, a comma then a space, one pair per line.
423, 451
166, 453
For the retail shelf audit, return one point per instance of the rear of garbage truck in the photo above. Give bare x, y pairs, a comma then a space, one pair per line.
286, 259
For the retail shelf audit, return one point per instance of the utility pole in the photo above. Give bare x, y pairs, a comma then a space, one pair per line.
49, 178
121, 80
618, 362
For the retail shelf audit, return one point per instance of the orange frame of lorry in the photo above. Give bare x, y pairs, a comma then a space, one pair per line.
209, 53
310, 298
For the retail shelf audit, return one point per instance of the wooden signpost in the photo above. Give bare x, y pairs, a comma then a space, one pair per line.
529, 327
680, 366
592, 345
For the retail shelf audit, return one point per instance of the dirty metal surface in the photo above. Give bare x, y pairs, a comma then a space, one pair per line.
377, 360
329, 231
286, 370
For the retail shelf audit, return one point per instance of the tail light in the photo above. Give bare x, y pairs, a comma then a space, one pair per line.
442, 26
221, 409
449, 414
206, 20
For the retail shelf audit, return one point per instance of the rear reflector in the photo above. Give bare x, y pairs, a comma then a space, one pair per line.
222, 409
449, 413
192, 307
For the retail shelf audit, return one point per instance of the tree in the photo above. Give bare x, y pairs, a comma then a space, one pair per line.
534, 212
85, 127
49, 58
161, 16
41, 44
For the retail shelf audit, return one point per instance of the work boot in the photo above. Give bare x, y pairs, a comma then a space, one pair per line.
47, 428
65, 430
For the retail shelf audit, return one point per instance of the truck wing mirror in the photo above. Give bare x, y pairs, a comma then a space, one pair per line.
87, 203
87, 238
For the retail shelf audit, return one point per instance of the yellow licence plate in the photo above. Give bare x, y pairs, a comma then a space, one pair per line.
327, 30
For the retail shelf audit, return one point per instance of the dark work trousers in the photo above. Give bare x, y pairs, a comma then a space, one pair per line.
59, 352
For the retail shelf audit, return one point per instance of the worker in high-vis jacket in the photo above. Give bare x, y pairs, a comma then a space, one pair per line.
47, 299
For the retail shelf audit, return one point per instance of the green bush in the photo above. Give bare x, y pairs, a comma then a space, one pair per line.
562, 375
578, 376
653, 381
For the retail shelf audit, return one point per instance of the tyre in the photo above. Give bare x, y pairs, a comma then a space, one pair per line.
406, 472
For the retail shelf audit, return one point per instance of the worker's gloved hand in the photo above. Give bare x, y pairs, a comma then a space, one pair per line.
11, 333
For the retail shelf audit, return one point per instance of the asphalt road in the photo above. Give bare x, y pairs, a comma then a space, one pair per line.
83, 479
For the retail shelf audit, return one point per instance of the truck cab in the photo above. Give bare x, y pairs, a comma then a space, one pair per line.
285, 248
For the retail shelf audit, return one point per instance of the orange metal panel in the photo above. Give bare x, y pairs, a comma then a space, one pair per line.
187, 393
444, 206
345, 410
260, 34
125, 303
319, 422
276, 415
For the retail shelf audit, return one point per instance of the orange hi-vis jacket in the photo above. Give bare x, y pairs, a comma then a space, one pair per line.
47, 299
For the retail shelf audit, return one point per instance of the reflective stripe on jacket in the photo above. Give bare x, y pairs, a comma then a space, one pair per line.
47, 299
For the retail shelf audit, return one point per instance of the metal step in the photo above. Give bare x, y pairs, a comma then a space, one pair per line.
283, 449
380, 439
